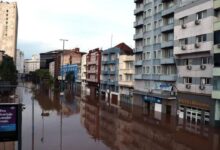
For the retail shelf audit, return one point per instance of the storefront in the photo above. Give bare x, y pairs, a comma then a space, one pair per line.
196, 109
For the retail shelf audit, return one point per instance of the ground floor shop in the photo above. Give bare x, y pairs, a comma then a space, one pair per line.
196, 109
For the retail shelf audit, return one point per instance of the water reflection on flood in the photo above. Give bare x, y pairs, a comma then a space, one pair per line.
83, 122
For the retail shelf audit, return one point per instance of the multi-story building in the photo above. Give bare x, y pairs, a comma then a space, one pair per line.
8, 28
32, 64
193, 38
83, 71
93, 69
20, 61
126, 78
110, 72
155, 69
216, 71
71, 62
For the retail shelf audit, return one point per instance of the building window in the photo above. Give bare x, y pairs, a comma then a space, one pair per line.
148, 41
201, 38
183, 41
183, 20
147, 84
205, 60
201, 15
188, 62
187, 80
204, 81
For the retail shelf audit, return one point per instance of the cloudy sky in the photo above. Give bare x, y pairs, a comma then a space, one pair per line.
87, 24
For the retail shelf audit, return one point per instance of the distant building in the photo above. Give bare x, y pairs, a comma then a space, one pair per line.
110, 72
71, 61
93, 70
83, 69
8, 28
52, 68
20, 61
32, 64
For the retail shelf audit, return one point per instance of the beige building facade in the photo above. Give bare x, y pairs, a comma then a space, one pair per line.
8, 28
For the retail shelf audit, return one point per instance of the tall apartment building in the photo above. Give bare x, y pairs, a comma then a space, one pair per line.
110, 72
216, 71
193, 50
93, 70
8, 28
155, 69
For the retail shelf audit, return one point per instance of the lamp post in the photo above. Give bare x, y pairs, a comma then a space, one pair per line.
62, 61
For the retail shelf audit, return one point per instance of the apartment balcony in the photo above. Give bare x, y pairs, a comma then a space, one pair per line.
104, 81
138, 63
139, 22
216, 71
92, 62
216, 4
139, 36
165, 61
112, 61
105, 72
151, 77
127, 71
92, 71
138, 49
138, 76
166, 28
168, 11
91, 80
216, 24
217, 48
105, 62
126, 83
216, 94
166, 44
139, 9
171, 77
111, 82
112, 72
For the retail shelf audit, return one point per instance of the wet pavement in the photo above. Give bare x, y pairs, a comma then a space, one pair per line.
82, 122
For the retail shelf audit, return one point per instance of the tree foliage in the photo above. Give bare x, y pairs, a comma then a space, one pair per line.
8, 70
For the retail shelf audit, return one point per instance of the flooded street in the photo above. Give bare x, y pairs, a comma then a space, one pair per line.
82, 122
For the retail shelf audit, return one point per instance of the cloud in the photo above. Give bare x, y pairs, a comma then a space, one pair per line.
85, 23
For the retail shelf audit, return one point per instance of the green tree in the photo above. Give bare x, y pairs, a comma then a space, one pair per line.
8, 70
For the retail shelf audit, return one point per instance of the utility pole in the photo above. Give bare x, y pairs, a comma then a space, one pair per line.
62, 62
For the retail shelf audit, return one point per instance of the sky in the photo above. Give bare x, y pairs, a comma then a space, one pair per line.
87, 24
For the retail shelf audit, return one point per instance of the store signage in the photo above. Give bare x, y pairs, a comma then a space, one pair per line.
193, 103
9, 126
163, 86
152, 99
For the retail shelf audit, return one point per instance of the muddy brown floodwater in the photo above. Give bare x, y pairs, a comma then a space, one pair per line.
83, 122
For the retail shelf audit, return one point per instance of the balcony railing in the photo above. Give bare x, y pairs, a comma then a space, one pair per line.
139, 9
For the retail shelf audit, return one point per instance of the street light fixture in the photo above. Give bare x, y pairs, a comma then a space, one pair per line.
62, 62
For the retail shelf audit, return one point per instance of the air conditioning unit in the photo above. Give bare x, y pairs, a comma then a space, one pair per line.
203, 67
183, 47
188, 67
197, 22
188, 86
183, 26
197, 45
202, 87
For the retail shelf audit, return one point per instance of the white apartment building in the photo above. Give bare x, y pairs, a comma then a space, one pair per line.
193, 50
32, 64
20, 61
8, 28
